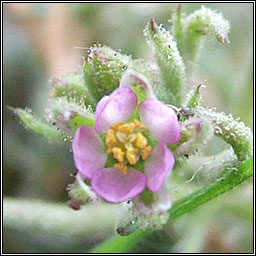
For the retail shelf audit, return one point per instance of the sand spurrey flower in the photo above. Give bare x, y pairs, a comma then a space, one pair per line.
127, 141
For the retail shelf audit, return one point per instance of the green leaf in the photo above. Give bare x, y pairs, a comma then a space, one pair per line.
40, 127
195, 27
178, 27
233, 131
169, 61
186, 204
121, 244
147, 197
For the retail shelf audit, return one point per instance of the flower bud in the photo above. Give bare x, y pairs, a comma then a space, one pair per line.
169, 62
195, 133
70, 86
77, 196
103, 71
128, 221
195, 27
68, 116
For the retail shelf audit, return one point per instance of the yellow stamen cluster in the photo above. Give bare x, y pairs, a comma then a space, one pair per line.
127, 143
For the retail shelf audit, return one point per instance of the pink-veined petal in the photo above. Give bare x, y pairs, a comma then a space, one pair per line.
88, 151
116, 107
162, 122
157, 166
114, 186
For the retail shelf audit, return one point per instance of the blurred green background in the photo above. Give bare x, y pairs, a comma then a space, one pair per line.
41, 41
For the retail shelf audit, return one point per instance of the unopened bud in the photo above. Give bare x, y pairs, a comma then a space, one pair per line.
103, 71
68, 115
169, 61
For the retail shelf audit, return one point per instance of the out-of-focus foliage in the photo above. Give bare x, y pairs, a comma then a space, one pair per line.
35, 169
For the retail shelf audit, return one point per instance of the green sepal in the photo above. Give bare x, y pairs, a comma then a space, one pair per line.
141, 95
77, 194
194, 98
90, 84
110, 161
140, 166
79, 120
184, 137
169, 61
69, 115
44, 129
147, 197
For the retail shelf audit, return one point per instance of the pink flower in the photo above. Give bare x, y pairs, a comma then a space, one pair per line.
127, 144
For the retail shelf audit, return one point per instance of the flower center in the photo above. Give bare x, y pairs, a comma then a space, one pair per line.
127, 143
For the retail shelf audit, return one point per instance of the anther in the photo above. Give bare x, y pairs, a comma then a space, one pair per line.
139, 125
127, 128
128, 146
121, 167
145, 152
131, 157
118, 154
127, 143
115, 126
141, 141
121, 136
110, 138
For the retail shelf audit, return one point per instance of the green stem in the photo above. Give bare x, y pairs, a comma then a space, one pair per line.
219, 187
57, 219
233, 178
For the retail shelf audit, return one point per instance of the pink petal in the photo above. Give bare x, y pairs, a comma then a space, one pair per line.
88, 151
161, 121
114, 186
116, 107
157, 166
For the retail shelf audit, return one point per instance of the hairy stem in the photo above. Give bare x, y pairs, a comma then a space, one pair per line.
235, 177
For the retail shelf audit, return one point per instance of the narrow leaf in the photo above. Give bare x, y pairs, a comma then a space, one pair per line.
40, 127
233, 131
169, 61
195, 27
